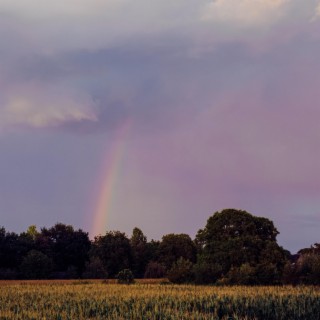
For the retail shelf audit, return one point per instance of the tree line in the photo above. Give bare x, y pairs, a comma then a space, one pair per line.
235, 247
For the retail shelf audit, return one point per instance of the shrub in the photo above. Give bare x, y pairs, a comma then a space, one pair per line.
125, 276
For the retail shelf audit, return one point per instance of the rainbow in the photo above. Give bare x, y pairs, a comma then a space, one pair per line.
110, 173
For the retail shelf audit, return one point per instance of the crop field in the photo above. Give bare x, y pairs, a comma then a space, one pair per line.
104, 300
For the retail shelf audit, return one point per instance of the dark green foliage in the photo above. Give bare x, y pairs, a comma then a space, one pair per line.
234, 239
235, 247
13, 248
66, 246
206, 271
175, 246
114, 250
243, 275
153, 250
140, 252
181, 271
308, 269
95, 269
125, 277
36, 265
315, 249
154, 270
289, 274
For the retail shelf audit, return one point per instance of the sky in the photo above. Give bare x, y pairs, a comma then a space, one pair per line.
117, 114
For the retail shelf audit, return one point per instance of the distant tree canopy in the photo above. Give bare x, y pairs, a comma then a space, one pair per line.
234, 247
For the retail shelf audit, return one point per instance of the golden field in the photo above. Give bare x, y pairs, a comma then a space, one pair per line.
86, 299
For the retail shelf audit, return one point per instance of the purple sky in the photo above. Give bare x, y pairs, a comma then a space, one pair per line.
223, 97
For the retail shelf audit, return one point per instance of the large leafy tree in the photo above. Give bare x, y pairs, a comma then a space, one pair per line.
67, 247
114, 250
233, 238
175, 246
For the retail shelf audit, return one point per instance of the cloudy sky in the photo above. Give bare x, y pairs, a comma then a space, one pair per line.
160, 113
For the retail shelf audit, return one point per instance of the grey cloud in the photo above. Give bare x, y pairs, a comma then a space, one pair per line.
155, 77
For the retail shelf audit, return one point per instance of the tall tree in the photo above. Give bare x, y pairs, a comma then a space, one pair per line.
67, 247
140, 254
175, 246
233, 238
114, 250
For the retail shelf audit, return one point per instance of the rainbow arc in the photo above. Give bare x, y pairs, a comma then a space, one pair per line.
110, 173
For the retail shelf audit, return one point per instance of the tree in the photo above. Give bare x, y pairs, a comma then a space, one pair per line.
308, 269
289, 275
315, 249
206, 271
153, 250
95, 269
243, 275
67, 247
140, 254
12, 249
271, 263
307, 265
233, 238
36, 265
114, 250
32, 232
154, 270
181, 271
175, 246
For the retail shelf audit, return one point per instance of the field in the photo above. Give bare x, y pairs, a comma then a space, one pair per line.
147, 300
